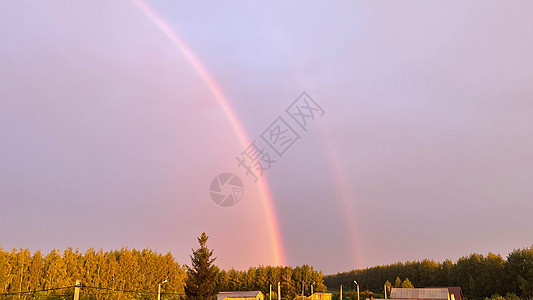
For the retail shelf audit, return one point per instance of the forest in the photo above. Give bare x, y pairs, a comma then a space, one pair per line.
131, 274
134, 274
479, 276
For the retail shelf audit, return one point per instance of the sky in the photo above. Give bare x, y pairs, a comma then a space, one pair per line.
116, 116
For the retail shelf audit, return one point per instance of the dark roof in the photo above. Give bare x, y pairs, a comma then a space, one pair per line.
458, 293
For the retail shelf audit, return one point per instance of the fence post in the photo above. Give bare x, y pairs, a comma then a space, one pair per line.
77, 290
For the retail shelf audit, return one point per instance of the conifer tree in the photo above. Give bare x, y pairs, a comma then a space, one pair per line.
201, 275
407, 284
397, 282
387, 288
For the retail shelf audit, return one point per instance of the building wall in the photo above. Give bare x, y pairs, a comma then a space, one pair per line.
259, 297
320, 296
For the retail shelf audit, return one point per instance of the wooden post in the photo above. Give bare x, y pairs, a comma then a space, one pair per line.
77, 290
21, 272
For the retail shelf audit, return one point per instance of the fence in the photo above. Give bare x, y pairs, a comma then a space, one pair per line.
85, 292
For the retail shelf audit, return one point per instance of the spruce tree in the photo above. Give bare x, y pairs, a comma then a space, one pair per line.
201, 275
388, 286
406, 284
397, 282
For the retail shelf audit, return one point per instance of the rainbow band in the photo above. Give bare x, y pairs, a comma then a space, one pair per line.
264, 192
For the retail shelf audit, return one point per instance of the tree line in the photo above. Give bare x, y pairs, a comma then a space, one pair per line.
479, 276
103, 274
291, 280
205, 279
133, 274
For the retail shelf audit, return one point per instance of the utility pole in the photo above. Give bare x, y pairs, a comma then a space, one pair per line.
357, 289
385, 289
341, 293
77, 290
312, 288
279, 291
159, 289
303, 283
21, 272
270, 293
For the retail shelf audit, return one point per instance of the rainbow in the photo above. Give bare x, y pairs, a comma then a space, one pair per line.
345, 196
266, 198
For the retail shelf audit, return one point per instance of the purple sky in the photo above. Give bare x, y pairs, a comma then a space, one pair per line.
109, 137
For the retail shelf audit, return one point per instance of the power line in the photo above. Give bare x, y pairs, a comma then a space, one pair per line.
36, 291
91, 287
129, 291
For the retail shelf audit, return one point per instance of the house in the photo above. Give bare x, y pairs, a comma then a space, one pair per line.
431, 293
420, 293
248, 295
320, 296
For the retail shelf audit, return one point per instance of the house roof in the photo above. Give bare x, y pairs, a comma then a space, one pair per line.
419, 293
243, 294
455, 290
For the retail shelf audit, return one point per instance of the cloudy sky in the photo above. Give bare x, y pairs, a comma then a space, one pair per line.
112, 128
